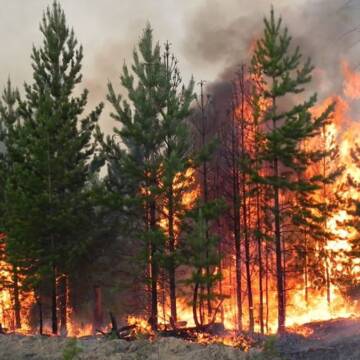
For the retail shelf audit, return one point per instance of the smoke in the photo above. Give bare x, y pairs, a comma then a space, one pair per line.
221, 33
209, 37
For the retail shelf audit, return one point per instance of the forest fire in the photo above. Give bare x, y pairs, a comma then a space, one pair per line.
299, 311
220, 219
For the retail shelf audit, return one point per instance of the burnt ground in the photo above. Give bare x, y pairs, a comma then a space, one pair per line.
329, 340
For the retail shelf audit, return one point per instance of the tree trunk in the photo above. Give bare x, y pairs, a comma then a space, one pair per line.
63, 297
236, 222
247, 267
259, 245
17, 306
154, 270
205, 187
39, 304
278, 242
244, 205
98, 312
195, 301
267, 286
328, 281
172, 279
278, 252
54, 321
306, 285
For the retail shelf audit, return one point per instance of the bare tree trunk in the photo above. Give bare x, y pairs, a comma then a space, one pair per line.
278, 241
267, 286
172, 278
154, 270
98, 312
17, 305
306, 285
39, 305
259, 245
244, 203
63, 305
195, 305
328, 282
279, 260
327, 265
205, 187
236, 217
54, 320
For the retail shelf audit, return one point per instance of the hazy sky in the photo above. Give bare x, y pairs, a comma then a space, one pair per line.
206, 35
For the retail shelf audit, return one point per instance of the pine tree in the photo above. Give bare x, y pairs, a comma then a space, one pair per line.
9, 128
176, 176
284, 75
155, 156
58, 149
198, 238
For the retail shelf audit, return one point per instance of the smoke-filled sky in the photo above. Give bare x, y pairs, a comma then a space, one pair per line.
207, 36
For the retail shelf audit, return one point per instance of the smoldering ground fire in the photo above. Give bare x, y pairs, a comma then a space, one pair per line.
234, 231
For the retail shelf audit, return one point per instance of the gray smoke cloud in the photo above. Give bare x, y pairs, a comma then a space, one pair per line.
209, 37
220, 35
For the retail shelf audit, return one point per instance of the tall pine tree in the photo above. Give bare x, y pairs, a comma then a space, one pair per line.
290, 125
58, 149
152, 154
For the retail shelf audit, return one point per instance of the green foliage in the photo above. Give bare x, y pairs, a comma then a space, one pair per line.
52, 207
200, 251
72, 350
291, 134
149, 154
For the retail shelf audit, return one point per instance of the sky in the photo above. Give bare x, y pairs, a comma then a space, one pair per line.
207, 36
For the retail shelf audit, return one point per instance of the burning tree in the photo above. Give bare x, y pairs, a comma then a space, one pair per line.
157, 156
52, 208
289, 127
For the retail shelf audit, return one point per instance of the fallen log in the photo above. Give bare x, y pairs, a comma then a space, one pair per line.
123, 333
191, 333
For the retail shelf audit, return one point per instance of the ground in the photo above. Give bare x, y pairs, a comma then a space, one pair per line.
330, 340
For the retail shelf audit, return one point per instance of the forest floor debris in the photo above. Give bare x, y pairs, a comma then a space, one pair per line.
327, 340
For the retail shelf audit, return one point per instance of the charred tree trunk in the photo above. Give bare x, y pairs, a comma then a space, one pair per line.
63, 297
328, 282
244, 202
267, 287
306, 280
247, 265
278, 253
327, 265
236, 218
259, 246
205, 186
154, 269
195, 303
40, 311
54, 320
17, 305
277, 239
172, 278
98, 312
283, 250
